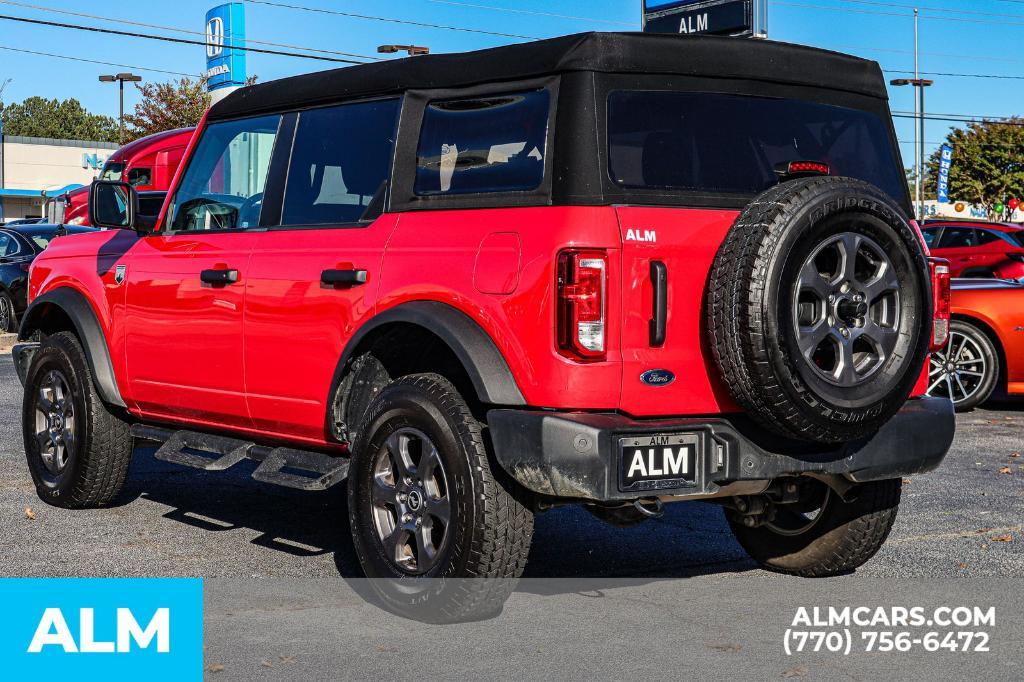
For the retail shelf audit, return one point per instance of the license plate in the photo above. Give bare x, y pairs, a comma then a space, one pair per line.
658, 461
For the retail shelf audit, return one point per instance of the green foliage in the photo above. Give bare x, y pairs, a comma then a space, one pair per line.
165, 106
988, 164
64, 120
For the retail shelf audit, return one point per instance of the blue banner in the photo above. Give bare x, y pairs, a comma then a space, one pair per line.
225, 32
945, 162
148, 629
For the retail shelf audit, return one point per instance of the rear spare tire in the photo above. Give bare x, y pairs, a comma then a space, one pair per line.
819, 309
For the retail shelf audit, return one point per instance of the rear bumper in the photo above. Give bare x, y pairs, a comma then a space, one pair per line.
575, 455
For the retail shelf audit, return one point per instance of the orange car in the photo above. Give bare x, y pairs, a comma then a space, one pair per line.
986, 347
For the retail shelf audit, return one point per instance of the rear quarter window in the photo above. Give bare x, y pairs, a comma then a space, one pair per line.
733, 144
483, 145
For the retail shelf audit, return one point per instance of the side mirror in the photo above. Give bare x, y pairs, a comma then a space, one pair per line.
113, 205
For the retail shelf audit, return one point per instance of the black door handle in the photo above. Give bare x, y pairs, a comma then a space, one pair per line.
219, 277
343, 277
659, 319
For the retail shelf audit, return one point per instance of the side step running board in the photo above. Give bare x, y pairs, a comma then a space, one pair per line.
286, 467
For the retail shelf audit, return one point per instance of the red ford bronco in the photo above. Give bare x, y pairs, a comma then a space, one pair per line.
615, 270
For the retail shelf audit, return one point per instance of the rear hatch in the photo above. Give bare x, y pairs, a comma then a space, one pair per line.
674, 150
675, 374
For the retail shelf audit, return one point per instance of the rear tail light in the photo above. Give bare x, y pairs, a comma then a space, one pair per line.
582, 278
940, 302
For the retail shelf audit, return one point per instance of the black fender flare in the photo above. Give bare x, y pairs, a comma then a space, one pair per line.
89, 332
483, 362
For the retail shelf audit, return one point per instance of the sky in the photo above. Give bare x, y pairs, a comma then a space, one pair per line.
979, 37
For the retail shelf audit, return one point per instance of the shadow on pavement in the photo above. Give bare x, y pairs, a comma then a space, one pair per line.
689, 540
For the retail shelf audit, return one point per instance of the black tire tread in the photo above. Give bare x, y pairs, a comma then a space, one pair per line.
500, 545
105, 454
738, 333
852, 535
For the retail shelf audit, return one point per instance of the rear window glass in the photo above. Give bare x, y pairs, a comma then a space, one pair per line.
491, 144
734, 144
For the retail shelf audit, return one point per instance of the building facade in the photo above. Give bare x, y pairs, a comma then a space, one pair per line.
30, 166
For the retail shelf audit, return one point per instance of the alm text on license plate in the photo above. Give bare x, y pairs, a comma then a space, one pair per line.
659, 458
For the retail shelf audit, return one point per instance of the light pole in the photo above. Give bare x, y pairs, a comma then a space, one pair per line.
920, 84
121, 78
412, 50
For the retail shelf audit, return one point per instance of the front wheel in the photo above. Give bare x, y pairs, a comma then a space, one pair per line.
78, 450
967, 370
441, 536
822, 535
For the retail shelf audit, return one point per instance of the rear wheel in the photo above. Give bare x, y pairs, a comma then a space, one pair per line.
967, 371
441, 534
822, 535
8, 319
78, 450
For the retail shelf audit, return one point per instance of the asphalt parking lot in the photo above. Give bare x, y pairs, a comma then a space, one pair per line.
182, 522
962, 521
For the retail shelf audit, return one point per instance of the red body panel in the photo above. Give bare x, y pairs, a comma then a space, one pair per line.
686, 240
1001, 310
259, 355
993, 257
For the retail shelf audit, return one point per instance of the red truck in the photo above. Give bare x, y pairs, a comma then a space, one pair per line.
148, 163
609, 270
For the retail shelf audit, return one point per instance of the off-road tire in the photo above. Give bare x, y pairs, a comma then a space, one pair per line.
844, 538
477, 570
97, 467
752, 286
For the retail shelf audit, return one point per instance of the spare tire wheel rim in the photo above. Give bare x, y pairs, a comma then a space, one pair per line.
846, 309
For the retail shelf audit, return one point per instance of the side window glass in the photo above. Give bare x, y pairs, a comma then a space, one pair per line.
340, 163
7, 245
987, 237
929, 236
957, 238
222, 189
493, 144
140, 177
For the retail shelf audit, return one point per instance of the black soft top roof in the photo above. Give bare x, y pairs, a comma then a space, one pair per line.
707, 56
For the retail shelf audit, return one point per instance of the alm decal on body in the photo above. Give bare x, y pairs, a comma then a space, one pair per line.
641, 235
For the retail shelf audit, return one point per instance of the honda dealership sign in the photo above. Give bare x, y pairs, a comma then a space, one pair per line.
718, 17
225, 34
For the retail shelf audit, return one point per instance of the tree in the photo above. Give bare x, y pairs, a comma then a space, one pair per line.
60, 119
988, 163
164, 106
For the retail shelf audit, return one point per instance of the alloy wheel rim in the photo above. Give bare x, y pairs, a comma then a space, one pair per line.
5, 315
959, 372
55, 422
846, 309
409, 501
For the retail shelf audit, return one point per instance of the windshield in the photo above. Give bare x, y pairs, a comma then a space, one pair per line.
733, 144
112, 170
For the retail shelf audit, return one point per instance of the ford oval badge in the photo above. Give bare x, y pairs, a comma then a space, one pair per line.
657, 377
